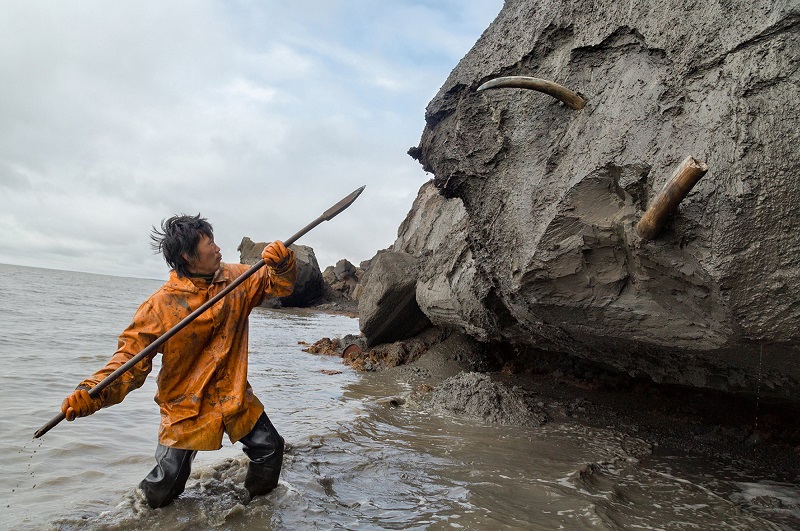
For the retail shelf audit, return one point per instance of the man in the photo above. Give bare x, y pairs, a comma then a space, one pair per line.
203, 390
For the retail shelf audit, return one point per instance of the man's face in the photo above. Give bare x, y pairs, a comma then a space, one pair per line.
208, 257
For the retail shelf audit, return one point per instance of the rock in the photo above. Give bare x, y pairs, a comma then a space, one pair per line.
526, 235
388, 309
435, 231
355, 352
250, 251
310, 287
343, 279
326, 345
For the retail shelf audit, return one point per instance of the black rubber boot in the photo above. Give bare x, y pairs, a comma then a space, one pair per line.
262, 477
167, 480
264, 446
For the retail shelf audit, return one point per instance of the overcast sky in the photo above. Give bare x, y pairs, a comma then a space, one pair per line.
258, 114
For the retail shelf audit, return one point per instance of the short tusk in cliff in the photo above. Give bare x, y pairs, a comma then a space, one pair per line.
666, 202
570, 98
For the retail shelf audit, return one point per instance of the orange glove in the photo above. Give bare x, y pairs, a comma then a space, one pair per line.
79, 404
278, 256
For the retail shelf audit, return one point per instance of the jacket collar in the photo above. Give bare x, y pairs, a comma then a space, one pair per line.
177, 283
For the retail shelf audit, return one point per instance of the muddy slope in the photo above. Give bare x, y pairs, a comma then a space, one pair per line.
526, 235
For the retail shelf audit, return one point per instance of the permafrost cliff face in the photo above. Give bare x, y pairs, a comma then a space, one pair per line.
526, 235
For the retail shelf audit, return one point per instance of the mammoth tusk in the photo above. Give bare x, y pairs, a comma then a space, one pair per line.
572, 99
666, 202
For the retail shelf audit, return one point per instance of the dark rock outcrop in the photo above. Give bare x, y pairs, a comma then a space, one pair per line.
526, 234
310, 287
435, 231
343, 279
388, 308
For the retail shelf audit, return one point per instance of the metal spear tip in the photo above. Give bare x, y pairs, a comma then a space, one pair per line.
341, 205
357, 192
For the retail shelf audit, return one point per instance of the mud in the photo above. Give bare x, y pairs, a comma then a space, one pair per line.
451, 374
476, 395
760, 435
657, 439
526, 234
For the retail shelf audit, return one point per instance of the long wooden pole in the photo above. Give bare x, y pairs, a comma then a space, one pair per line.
94, 391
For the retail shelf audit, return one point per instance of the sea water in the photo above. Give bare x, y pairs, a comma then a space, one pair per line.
352, 461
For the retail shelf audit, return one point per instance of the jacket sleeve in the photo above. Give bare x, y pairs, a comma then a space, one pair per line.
145, 328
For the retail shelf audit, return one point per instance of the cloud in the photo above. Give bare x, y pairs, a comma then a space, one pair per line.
259, 115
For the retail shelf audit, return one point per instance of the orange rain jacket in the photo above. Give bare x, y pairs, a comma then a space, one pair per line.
202, 386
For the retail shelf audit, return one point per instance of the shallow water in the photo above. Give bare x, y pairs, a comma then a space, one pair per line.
353, 460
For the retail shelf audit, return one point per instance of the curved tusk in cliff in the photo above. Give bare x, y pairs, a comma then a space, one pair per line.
572, 99
666, 202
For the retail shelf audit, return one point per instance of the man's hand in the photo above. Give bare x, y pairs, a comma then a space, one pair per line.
79, 404
278, 256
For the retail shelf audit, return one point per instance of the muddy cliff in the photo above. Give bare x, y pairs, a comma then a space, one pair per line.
525, 239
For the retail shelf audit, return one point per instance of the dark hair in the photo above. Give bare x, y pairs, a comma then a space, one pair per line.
180, 235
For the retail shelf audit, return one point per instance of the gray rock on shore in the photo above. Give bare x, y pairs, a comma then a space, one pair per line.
388, 307
343, 279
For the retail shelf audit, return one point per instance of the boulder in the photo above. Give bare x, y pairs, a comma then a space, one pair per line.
343, 279
310, 286
526, 235
435, 231
388, 309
